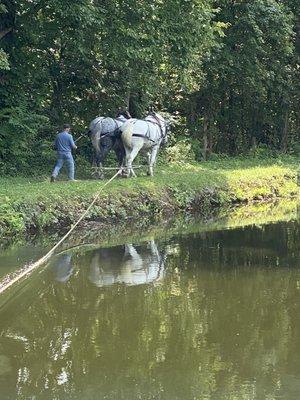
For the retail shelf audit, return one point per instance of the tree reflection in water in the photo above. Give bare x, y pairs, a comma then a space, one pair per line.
222, 322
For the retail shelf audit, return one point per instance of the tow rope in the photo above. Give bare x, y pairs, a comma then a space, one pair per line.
8, 280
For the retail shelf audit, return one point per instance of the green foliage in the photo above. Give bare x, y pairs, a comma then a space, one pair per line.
4, 64
262, 151
180, 153
11, 222
248, 94
18, 137
227, 70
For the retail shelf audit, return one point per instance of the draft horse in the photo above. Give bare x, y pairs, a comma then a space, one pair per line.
105, 135
148, 134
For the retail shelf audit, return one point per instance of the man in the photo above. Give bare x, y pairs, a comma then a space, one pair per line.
64, 144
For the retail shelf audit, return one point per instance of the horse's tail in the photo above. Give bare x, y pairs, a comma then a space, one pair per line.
95, 131
95, 138
127, 130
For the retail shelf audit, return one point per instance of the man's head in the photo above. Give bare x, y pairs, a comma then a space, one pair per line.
67, 127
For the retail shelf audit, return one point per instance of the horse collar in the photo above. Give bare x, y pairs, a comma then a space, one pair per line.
158, 122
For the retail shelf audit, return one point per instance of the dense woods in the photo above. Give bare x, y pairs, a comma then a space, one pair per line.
227, 70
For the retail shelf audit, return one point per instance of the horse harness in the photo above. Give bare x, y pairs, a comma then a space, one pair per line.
114, 131
147, 136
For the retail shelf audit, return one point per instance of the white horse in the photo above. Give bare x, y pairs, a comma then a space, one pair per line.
147, 134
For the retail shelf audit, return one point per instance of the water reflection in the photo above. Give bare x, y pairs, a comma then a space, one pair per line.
62, 267
128, 264
222, 324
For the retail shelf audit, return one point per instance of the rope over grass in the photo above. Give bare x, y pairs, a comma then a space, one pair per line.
116, 168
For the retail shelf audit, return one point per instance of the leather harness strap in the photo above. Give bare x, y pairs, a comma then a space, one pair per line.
143, 136
158, 122
147, 136
113, 132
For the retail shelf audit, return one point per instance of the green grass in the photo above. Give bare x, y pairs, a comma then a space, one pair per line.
36, 204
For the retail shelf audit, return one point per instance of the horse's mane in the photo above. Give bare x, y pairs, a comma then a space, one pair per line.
124, 114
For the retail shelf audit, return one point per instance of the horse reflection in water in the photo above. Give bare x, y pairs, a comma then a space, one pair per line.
128, 264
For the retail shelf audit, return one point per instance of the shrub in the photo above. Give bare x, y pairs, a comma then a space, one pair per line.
179, 153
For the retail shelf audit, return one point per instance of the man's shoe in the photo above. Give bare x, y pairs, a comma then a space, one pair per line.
52, 179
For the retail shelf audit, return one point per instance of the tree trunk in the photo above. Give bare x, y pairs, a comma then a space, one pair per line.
205, 139
253, 143
285, 133
210, 140
5, 32
232, 134
127, 101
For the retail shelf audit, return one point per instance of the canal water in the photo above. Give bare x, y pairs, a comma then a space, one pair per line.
212, 314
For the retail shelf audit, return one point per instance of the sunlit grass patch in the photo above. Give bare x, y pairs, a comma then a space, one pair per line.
38, 204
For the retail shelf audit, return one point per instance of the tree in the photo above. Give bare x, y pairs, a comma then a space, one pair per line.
247, 85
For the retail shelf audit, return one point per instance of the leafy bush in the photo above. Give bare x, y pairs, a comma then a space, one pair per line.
179, 153
10, 221
4, 64
262, 151
218, 157
296, 149
18, 131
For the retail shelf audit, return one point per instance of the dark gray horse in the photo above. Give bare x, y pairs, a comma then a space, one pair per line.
105, 135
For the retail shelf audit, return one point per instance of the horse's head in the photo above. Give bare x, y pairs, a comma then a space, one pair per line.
123, 113
165, 137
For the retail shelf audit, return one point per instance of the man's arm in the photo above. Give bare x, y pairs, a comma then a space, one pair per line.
72, 143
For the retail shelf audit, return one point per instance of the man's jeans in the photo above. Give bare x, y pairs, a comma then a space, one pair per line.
61, 158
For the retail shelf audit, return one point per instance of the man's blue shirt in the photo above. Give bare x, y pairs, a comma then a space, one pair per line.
64, 142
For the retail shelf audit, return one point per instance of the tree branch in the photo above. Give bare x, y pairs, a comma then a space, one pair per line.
5, 32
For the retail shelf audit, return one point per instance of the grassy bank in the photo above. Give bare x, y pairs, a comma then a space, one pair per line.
36, 205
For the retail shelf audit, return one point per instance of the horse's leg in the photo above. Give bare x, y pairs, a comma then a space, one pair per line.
129, 170
154, 249
99, 171
120, 154
152, 159
104, 148
148, 159
127, 158
95, 139
131, 156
